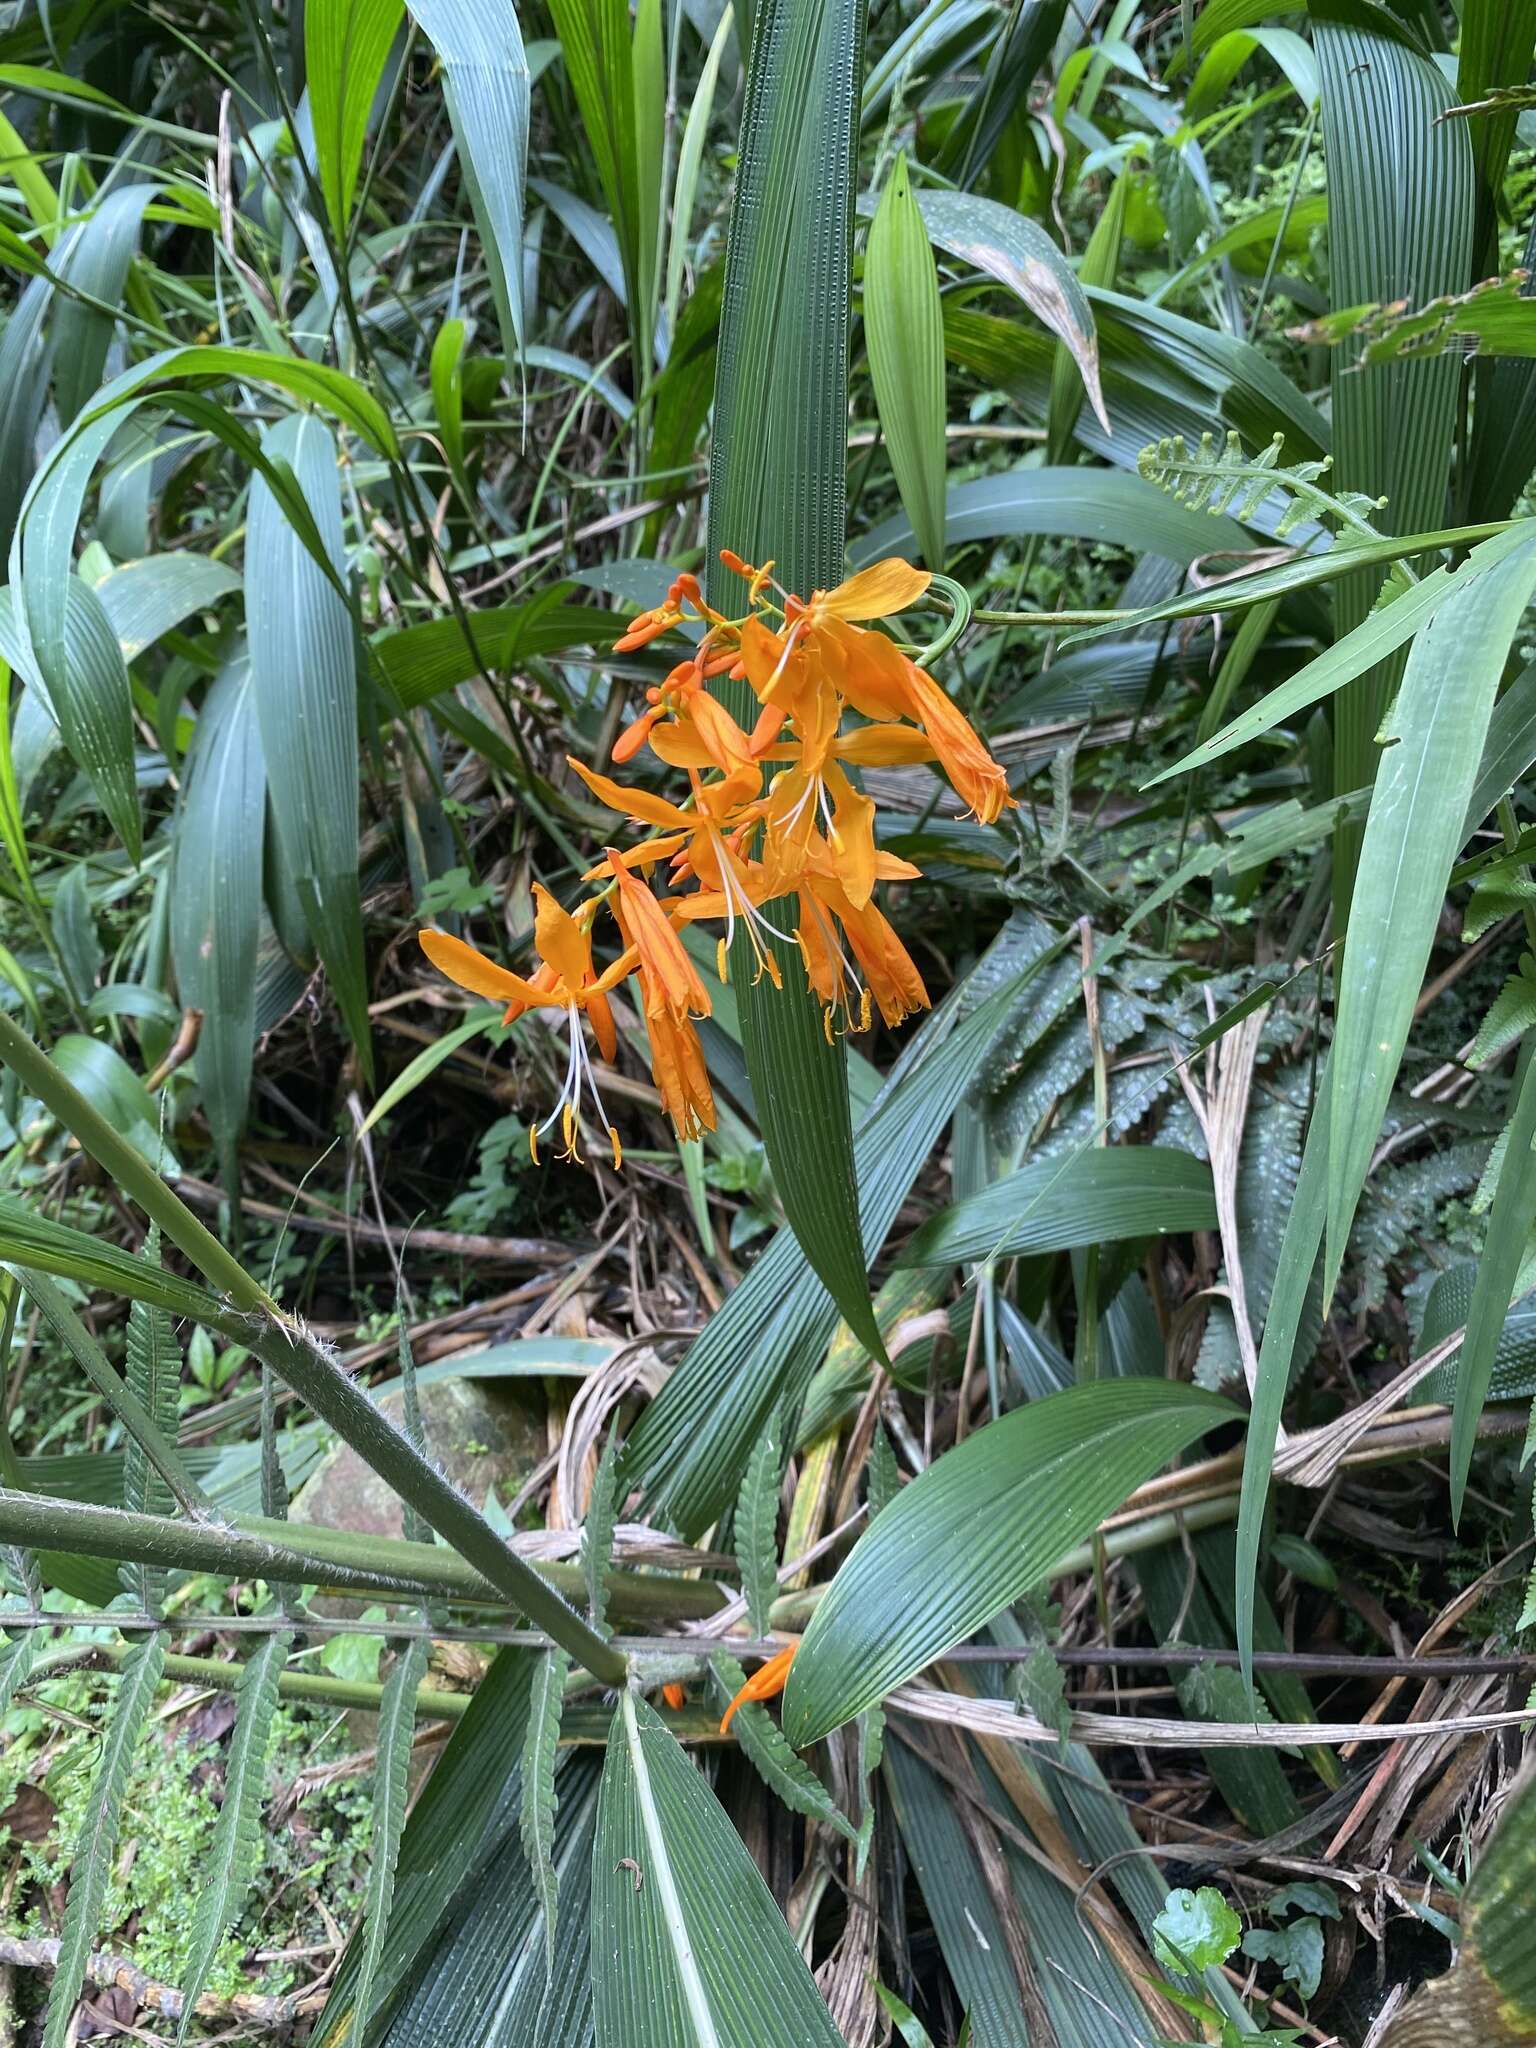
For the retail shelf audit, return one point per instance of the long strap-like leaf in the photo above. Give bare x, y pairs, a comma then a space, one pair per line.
777, 491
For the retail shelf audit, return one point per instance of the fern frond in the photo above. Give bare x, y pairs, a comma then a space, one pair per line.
236, 1852
536, 1823
397, 1724
154, 1378
91, 1872
597, 1531
1225, 479
766, 1747
756, 1524
15, 1663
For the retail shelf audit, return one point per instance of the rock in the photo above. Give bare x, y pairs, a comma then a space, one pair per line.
481, 1433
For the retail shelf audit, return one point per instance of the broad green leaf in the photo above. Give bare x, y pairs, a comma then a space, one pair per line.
391, 1775
95, 263
1498, 1270
595, 43
212, 363
689, 1949
1497, 37
146, 599
107, 1081
1096, 1196
1400, 219
904, 338
345, 45
1195, 1930
96, 1845
487, 90
977, 1530
235, 1853
1434, 745
1083, 504
536, 1822
216, 900
778, 491
419, 662
81, 675
690, 1446
1017, 251
303, 673
447, 377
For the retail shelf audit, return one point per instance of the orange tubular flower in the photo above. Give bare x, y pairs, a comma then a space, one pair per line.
675, 1695
565, 981
672, 993
766, 1683
881, 966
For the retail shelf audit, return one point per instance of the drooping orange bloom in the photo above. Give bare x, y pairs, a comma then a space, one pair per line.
672, 995
766, 1683
881, 966
567, 981
675, 1695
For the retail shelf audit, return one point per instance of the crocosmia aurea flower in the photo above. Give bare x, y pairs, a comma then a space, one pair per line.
768, 828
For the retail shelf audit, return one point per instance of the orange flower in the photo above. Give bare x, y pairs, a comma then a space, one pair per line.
672, 993
565, 981
675, 1695
884, 969
766, 1683
678, 1069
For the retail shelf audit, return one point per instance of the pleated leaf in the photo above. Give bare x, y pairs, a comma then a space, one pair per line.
216, 902
303, 672
1400, 225
1098, 1196
1509, 1229
689, 1949
536, 1822
95, 265
1412, 834
904, 338
600, 63
235, 1854
345, 45
85, 685
778, 490
488, 94
979, 1529
391, 1775
96, 1846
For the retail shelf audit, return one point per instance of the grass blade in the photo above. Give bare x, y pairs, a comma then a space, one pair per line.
689, 1949
303, 671
904, 336
977, 1530
235, 1854
1412, 835
91, 1871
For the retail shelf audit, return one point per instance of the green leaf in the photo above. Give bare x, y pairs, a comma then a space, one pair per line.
689, 1949
154, 1376
762, 1741
691, 1444
903, 2018
904, 337
777, 491
1381, 104
1509, 1227
756, 1529
536, 1822
95, 262
84, 682
1083, 504
420, 662
391, 1777
1195, 1931
145, 600
303, 671
1412, 834
979, 1529
488, 93
235, 1853
96, 1845
1099, 1195
690, 157
1017, 251
599, 61
216, 901
1298, 1948
345, 45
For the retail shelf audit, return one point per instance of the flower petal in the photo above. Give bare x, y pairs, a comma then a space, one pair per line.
876, 592
469, 969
